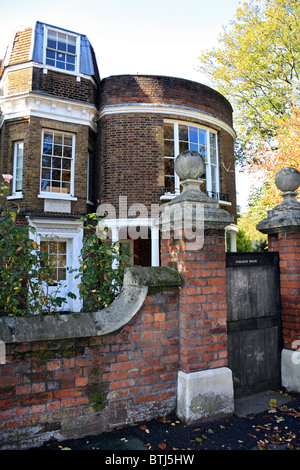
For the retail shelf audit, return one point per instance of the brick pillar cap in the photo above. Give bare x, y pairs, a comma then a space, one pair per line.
284, 218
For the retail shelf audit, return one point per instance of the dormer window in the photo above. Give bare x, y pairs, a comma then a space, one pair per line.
61, 50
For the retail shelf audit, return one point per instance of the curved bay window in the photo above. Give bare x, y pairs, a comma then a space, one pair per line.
179, 137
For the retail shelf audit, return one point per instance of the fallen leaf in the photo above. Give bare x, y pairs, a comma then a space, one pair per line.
164, 420
263, 445
144, 428
162, 445
273, 402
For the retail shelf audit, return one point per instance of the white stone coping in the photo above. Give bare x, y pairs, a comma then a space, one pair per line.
137, 282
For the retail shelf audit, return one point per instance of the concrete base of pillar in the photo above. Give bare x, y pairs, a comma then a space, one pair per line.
290, 370
204, 395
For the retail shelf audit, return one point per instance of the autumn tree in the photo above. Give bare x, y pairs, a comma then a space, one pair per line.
257, 67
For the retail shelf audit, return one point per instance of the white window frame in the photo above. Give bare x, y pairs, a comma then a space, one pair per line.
176, 125
88, 188
17, 194
52, 194
77, 53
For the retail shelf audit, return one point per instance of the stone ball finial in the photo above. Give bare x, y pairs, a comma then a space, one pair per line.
287, 179
189, 165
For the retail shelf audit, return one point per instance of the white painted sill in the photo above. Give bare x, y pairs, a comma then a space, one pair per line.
65, 197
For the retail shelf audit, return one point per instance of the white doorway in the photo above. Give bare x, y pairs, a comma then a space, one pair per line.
62, 240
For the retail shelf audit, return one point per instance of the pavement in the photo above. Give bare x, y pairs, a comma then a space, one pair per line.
255, 425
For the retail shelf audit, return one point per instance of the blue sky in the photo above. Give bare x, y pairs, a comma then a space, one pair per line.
156, 37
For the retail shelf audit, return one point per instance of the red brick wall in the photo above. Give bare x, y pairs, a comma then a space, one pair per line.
46, 388
63, 85
202, 302
288, 247
164, 90
131, 158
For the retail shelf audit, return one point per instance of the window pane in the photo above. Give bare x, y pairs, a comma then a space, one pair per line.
66, 188
57, 150
183, 146
168, 131
62, 260
169, 148
66, 164
169, 166
66, 176
56, 175
58, 139
50, 62
55, 186
61, 274
61, 42
68, 152
47, 149
71, 59
68, 140
213, 156
183, 133
62, 247
70, 67
194, 147
71, 48
56, 163
193, 134
170, 184
46, 161
19, 185
51, 43
48, 138
45, 185
50, 54
52, 247
212, 140
202, 137
46, 173
60, 65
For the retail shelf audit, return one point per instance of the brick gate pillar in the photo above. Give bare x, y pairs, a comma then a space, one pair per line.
283, 228
193, 239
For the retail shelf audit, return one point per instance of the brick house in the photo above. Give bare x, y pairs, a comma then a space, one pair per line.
73, 142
